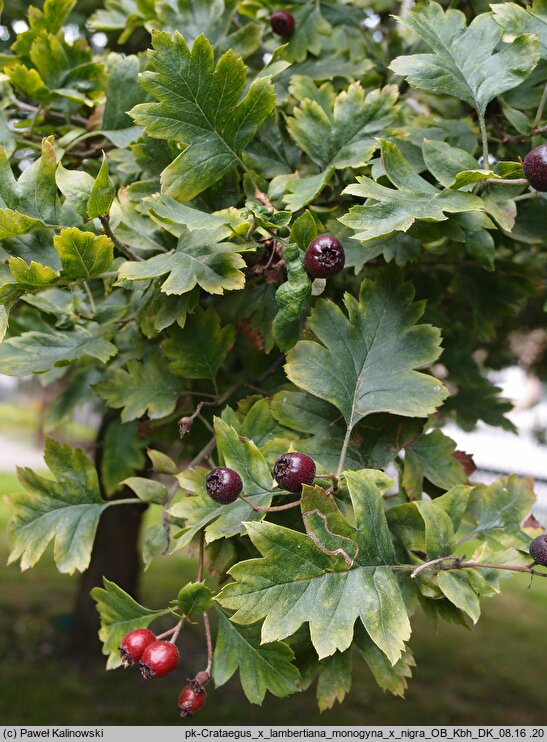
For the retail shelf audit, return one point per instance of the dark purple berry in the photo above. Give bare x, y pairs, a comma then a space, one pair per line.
158, 660
223, 485
538, 550
324, 257
134, 644
282, 22
535, 168
292, 470
191, 699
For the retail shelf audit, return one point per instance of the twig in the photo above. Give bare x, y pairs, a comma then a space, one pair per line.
33, 121
434, 562
56, 114
167, 633
209, 643
107, 229
203, 454
176, 630
165, 515
459, 563
276, 236
523, 137
504, 181
484, 138
273, 509
90, 297
344, 451
199, 576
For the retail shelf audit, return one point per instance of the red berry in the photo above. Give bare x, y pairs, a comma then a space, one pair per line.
134, 644
292, 470
223, 485
535, 167
538, 550
191, 699
282, 22
324, 257
159, 659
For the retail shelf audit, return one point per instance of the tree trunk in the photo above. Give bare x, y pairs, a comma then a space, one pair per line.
115, 555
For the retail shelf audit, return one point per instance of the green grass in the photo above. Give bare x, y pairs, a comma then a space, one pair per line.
492, 675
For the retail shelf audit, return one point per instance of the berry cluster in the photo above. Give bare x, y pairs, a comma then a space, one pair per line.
156, 659
291, 471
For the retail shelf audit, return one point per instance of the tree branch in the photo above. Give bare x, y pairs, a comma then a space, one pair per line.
459, 563
343, 452
505, 181
107, 229
273, 509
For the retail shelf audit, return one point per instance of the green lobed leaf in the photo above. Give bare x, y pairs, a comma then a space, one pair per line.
365, 362
102, 193
458, 589
463, 63
115, 468
122, 91
515, 20
391, 678
432, 456
310, 25
117, 15
396, 209
254, 420
336, 131
147, 490
33, 276
430, 526
442, 518
83, 255
76, 186
119, 614
13, 223
162, 463
334, 679
199, 105
496, 510
65, 510
145, 387
174, 215
199, 349
155, 542
34, 352
35, 193
445, 161
199, 259
157, 311
297, 572
195, 597
262, 666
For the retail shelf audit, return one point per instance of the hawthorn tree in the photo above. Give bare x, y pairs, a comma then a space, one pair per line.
282, 241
